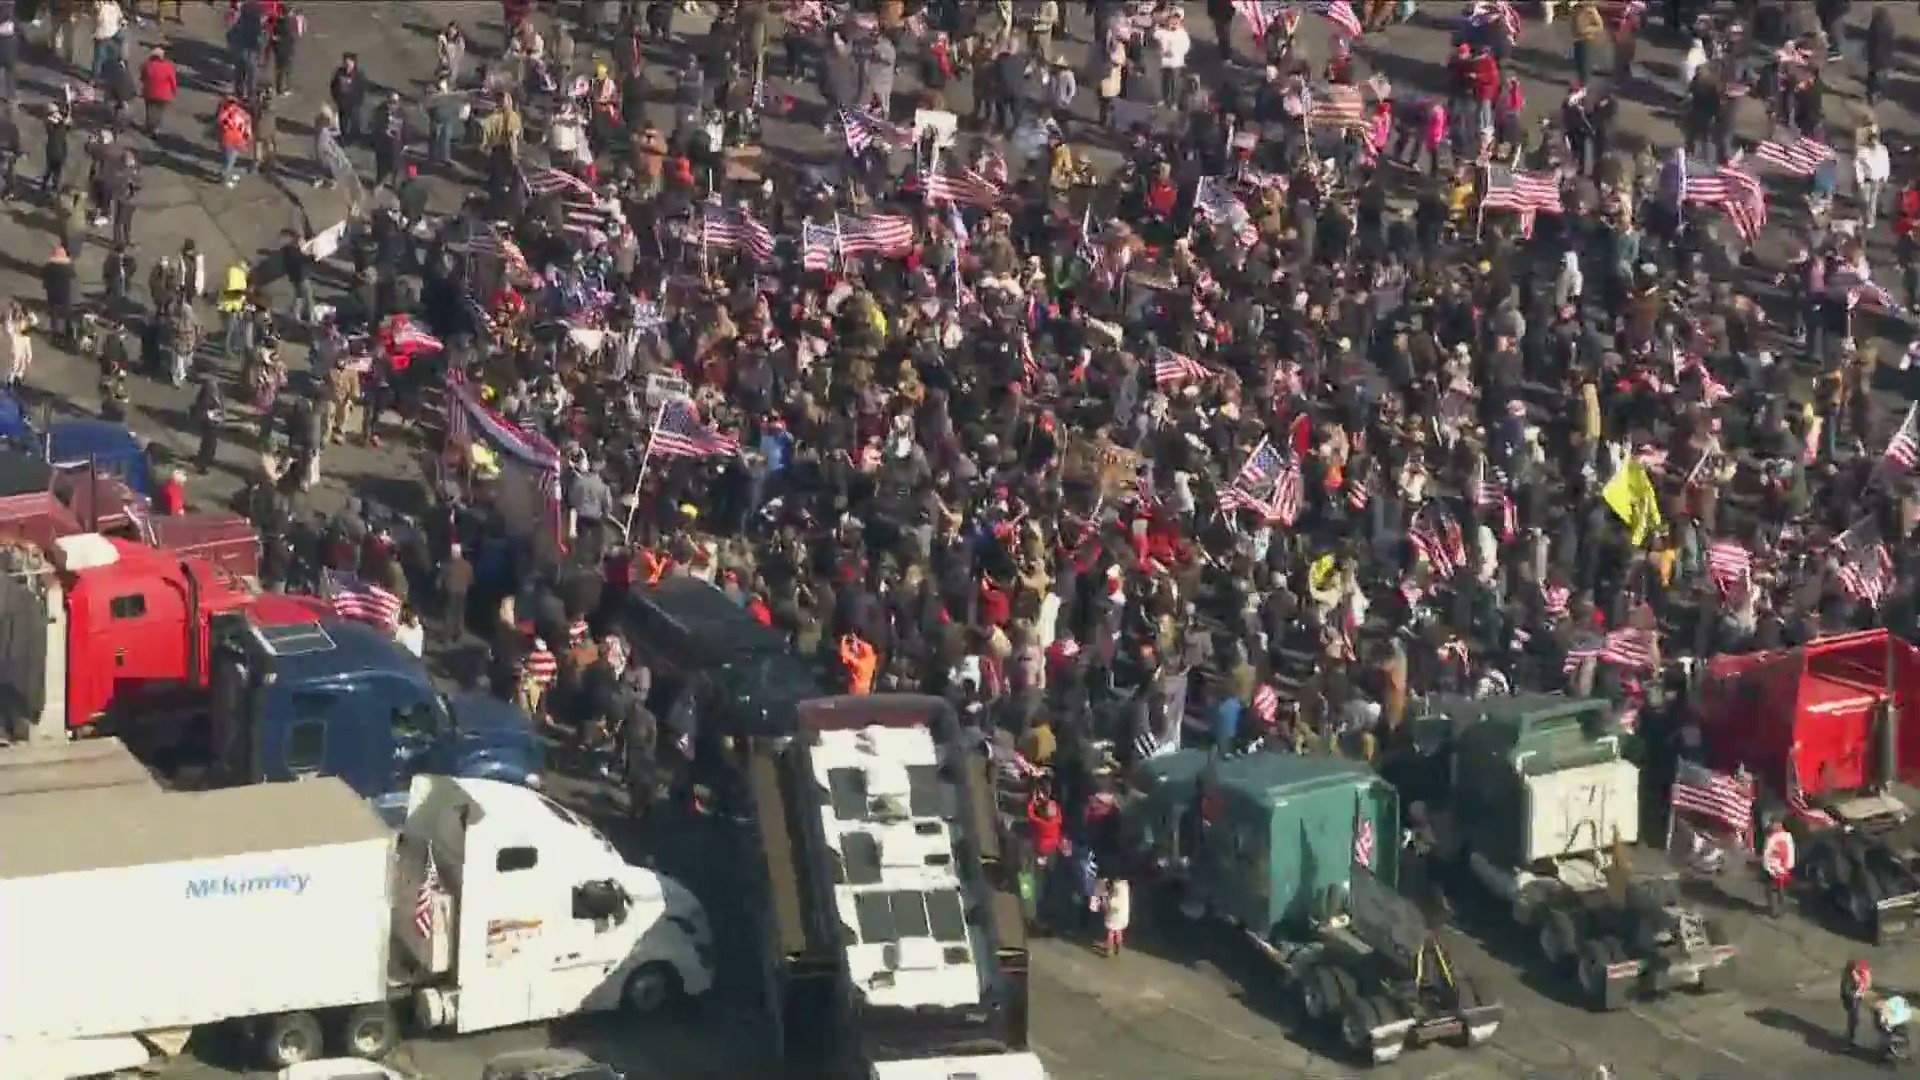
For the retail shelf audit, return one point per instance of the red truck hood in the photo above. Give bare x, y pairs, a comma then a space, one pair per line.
279, 609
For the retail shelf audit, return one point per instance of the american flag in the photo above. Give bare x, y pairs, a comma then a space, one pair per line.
1725, 800
1855, 283
1171, 367
1734, 191
360, 601
1801, 156
1527, 193
735, 228
555, 181
1436, 535
408, 335
1337, 106
424, 899
1362, 841
1030, 366
1508, 18
1215, 201
875, 234
589, 218
1268, 483
680, 433
819, 246
1340, 14
1865, 569
969, 188
1730, 565
1630, 647
863, 129
1266, 704
493, 240
1259, 14
1904, 448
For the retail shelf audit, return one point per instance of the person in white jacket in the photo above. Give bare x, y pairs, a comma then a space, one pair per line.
1872, 167
1174, 44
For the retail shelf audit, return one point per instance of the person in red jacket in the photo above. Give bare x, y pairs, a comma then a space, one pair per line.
159, 85
1043, 827
1486, 87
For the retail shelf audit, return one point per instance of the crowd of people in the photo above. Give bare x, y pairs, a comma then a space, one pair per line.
1328, 394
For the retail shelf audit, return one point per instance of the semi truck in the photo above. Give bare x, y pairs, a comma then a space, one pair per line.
340, 698
110, 636
1823, 730
1301, 854
293, 914
1532, 796
889, 939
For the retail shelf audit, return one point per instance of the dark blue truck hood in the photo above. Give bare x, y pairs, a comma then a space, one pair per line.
495, 740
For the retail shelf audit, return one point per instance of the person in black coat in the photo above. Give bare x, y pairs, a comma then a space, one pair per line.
208, 411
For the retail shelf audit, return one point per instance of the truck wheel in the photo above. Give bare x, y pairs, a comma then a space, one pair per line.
1319, 994
289, 1039
1357, 1022
1345, 988
369, 1031
1594, 958
1559, 938
651, 988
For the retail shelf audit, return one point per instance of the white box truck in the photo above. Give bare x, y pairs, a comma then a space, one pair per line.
133, 916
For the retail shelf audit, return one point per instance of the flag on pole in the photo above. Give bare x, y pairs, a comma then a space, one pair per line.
423, 900
1215, 202
1340, 13
1724, 800
863, 129
1730, 565
1363, 839
1171, 367
360, 601
680, 433
1435, 535
1904, 448
1800, 156
968, 188
1525, 193
1631, 496
556, 181
875, 234
1865, 568
819, 246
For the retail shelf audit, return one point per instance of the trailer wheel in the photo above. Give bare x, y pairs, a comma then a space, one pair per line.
651, 988
1345, 988
289, 1039
369, 1031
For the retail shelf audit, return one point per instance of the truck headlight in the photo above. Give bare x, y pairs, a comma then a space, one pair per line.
532, 780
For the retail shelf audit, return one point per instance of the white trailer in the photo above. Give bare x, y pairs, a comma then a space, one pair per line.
130, 911
134, 916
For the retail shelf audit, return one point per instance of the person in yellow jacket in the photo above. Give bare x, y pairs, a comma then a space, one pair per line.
235, 329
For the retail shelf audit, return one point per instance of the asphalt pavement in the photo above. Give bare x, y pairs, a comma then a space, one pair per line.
1181, 1003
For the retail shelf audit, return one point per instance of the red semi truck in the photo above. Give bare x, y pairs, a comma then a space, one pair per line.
1830, 732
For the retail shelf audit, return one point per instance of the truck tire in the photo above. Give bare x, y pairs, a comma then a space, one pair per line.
290, 1039
1466, 997
1595, 956
651, 988
1319, 994
1357, 1022
1345, 987
1559, 937
369, 1031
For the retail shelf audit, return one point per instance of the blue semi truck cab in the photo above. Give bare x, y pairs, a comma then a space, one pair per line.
338, 698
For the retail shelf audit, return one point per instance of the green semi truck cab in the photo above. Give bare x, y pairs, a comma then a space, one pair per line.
1301, 853
1533, 795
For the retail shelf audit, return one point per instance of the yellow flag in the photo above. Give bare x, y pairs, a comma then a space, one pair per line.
1630, 493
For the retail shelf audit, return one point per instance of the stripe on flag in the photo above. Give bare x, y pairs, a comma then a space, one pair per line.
819, 246
360, 601
875, 234
681, 433
1730, 565
969, 188
1340, 14
1171, 367
1904, 448
1722, 799
1800, 156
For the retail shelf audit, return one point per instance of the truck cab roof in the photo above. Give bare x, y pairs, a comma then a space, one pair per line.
322, 651
1536, 732
1265, 779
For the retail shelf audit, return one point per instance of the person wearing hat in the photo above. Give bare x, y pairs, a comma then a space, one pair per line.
159, 85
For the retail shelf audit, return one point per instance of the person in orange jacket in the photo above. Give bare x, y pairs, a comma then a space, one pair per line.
861, 662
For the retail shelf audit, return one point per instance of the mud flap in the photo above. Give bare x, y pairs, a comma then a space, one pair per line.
1896, 918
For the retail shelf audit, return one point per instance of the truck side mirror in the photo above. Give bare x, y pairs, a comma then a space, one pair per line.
601, 901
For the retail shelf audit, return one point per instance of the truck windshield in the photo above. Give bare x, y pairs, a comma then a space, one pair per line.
574, 819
